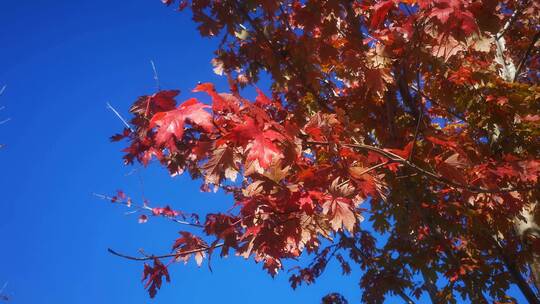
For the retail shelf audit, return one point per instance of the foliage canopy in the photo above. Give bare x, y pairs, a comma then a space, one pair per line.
400, 137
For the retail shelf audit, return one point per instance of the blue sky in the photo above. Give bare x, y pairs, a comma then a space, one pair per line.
62, 61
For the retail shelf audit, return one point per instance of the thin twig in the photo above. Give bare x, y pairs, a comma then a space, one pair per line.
365, 171
526, 55
144, 207
110, 107
152, 257
456, 115
156, 77
3, 107
420, 116
374, 167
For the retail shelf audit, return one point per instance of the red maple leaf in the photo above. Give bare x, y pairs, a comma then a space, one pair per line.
263, 149
341, 214
159, 102
171, 123
260, 144
153, 276
380, 10
187, 242
220, 102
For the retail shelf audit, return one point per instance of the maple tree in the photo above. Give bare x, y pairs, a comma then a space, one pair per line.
400, 138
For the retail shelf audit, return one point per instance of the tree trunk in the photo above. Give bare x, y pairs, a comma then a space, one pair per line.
528, 229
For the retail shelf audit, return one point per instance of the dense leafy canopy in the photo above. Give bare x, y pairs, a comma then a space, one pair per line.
400, 137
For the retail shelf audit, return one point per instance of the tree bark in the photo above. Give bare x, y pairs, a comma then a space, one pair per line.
527, 227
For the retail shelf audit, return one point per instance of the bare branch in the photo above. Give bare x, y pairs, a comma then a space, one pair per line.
151, 257
143, 207
5, 120
156, 77
119, 116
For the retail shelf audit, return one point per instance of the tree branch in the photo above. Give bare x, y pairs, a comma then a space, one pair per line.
431, 288
526, 55
156, 77
434, 176
456, 115
374, 167
145, 207
119, 116
1, 108
507, 25
416, 131
152, 257
520, 281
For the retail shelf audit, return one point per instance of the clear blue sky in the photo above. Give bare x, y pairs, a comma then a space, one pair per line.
62, 61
